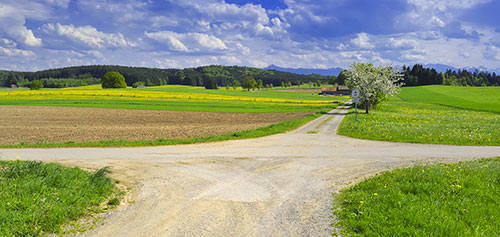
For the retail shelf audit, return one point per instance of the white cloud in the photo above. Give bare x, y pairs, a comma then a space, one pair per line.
341, 46
242, 49
219, 10
435, 14
441, 5
362, 40
492, 52
402, 43
88, 36
188, 42
9, 48
12, 24
58, 3
116, 11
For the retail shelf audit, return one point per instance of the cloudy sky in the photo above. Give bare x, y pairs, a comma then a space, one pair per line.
41, 34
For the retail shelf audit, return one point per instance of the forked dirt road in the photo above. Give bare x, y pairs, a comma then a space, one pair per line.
279, 185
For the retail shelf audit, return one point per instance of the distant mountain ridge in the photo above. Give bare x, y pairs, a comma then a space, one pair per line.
336, 70
444, 67
306, 71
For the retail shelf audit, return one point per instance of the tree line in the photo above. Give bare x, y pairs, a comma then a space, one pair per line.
419, 76
199, 76
230, 76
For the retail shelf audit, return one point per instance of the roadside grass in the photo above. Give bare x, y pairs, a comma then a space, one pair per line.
259, 132
39, 198
419, 117
461, 199
183, 98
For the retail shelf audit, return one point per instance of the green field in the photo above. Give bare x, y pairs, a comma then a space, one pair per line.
39, 198
470, 98
432, 114
183, 98
461, 199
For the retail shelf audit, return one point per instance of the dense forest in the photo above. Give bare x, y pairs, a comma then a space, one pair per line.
227, 75
223, 75
419, 76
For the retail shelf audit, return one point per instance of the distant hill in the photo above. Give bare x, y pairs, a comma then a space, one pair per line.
307, 71
336, 70
224, 75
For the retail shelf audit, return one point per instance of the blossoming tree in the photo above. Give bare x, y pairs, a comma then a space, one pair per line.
374, 83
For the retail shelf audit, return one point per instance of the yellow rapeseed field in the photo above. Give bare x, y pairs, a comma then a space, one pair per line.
148, 95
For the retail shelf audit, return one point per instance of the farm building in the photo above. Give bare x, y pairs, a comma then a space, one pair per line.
339, 90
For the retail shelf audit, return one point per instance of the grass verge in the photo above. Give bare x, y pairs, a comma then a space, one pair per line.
260, 132
39, 198
459, 199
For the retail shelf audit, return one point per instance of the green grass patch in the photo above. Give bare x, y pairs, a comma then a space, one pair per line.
38, 198
470, 98
259, 132
461, 199
415, 116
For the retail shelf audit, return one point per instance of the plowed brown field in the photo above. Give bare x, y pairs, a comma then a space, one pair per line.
32, 124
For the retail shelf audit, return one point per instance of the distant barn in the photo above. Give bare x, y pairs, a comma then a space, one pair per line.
339, 90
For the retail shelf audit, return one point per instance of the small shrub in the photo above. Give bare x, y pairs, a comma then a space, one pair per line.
36, 85
138, 84
113, 80
210, 83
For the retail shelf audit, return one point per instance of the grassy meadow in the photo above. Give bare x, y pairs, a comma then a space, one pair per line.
460, 199
39, 198
432, 114
174, 97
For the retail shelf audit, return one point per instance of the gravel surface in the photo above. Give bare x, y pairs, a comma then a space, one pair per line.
280, 185
32, 124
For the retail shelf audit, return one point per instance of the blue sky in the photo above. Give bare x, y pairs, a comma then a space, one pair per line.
41, 34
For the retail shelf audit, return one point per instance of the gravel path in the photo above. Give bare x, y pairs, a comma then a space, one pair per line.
279, 185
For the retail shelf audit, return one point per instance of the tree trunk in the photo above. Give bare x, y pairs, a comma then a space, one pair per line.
367, 107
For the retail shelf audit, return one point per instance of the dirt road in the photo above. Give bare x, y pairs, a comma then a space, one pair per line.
278, 185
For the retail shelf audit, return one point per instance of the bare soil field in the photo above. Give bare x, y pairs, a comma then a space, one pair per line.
33, 124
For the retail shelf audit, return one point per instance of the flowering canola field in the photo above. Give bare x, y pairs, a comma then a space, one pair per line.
177, 98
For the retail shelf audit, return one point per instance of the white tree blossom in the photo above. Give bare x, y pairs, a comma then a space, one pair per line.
374, 83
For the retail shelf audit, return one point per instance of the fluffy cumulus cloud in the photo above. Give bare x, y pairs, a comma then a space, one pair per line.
37, 34
9, 48
13, 22
188, 42
362, 41
87, 36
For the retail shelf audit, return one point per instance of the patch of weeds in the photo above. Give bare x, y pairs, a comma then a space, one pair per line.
39, 198
460, 199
